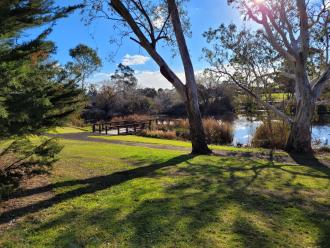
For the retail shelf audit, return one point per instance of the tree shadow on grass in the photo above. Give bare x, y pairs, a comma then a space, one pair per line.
194, 209
309, 160
90, 185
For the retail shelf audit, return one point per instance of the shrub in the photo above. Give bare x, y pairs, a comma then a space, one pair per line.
273, 136
23, 158
131, 118
324, 149
217, 132
181, 124
159, 134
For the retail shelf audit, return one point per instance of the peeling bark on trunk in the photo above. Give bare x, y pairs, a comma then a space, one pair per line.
300, 139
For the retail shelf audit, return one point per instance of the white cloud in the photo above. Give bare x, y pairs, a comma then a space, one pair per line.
150, 79
100, 76
154, 79
134, 60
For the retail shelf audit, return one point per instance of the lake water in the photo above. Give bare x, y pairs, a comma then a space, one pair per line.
245, 127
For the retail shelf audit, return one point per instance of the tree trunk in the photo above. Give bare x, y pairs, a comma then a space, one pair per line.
197, 135
198, 140
300, 139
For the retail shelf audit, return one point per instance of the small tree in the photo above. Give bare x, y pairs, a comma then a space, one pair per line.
124, 79
298, 32
152, 22
86, 62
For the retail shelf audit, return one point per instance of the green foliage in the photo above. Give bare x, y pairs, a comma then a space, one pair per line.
35, 93
124, 79
23, 158
18, 15
86, 61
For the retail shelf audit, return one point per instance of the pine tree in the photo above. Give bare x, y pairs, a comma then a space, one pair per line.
35, 93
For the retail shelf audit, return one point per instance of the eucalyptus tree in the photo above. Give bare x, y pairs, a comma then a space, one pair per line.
124, 79
297, 31
86, 62
151, 24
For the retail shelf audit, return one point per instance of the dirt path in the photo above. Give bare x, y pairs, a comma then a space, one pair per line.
319, 160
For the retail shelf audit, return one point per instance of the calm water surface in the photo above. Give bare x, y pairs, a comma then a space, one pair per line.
245, 127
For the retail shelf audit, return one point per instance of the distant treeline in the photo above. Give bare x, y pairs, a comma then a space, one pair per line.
121, 95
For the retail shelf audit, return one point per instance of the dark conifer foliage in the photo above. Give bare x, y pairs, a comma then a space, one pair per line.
35, 92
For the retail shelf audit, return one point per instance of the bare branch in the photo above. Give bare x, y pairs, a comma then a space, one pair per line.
250, 92
277, 28
271, 38
120, 8
179, 34
321, 82
160, 36
288, 24
304, 28
318, 16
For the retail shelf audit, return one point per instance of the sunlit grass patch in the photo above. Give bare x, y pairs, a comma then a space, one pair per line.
141, 197
65, 130
179, 143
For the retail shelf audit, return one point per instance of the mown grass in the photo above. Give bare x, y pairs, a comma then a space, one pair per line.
64, 130
278, 96
179, 143
108, 195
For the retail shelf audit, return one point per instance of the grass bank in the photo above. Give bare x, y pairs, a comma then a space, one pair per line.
106, 195
179, 143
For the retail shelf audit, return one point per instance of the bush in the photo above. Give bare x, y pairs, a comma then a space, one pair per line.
131, 118
218, 132
159, 134
274, 136
23, 158
324, 149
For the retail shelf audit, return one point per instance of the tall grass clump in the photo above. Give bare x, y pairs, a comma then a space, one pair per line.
131, 118
160, 134
218, 132
273, 135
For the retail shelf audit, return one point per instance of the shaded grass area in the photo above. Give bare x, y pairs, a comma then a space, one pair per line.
108, 195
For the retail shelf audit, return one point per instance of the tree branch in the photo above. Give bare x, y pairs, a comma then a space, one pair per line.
271, 38
250, 92
277, 28
120, 8
321, 82
304, 28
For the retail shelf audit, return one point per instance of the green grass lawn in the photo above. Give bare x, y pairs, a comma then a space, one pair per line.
64, 130
108, 195
187, 144
278, 96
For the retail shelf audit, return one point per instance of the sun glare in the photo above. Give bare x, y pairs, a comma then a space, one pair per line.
259, 1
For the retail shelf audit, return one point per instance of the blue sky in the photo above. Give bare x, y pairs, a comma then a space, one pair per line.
71, 31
